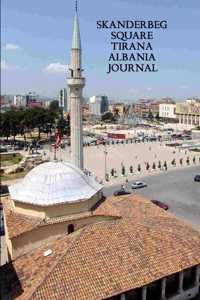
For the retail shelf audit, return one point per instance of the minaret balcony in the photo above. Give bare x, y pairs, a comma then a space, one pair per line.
76, 82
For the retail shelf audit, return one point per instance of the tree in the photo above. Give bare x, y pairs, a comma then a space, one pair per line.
147, 166
173, 162
154, 166
157, 116
139, 168
123, 170
150, 115
165, 165
181, 161
131, 169
112, 172
54, 106
159, 165
39, 117
108, 116
194, 160
62, 125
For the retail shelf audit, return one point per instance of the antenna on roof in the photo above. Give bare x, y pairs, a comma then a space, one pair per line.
76, 5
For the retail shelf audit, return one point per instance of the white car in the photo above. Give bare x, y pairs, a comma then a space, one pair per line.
138, 185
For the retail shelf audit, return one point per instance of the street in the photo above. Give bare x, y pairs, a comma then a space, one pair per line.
175, 188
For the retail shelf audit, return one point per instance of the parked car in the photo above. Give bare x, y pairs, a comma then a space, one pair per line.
3, 149
138, 185
3, 189
197, 178
160, 204
121, 192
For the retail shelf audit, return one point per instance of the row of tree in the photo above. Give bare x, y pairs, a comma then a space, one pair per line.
23, 121
159, 166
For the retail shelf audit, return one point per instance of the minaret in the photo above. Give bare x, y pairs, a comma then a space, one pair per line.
76, 83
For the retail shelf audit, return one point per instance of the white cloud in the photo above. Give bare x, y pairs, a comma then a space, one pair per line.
56, 68
5, 66
12, 47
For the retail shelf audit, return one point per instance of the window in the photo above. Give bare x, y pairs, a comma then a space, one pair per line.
70, 228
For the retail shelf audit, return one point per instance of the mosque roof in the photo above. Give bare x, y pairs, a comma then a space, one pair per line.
54, 183
107, 258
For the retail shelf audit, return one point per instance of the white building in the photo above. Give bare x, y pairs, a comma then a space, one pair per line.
98, 105
167, 111
19, 100
188, 113
63, 99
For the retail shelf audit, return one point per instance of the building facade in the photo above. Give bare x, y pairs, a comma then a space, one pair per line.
63, 99
19, 100
98, 105
188, 113
167, 111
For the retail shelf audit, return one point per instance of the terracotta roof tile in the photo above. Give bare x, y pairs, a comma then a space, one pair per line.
107, 258
18, 223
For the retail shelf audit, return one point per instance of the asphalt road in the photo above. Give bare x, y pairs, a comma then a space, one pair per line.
175, 188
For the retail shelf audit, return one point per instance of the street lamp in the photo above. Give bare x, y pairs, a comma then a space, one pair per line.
105, 161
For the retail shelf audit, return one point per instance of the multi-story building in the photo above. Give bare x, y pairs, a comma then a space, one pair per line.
19, 100
167, 111
98, 105
63, 99
142, 107
32, 100
188, 113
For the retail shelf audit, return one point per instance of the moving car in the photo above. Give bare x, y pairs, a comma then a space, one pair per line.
121, 192
197, 178
138, 185
160, 204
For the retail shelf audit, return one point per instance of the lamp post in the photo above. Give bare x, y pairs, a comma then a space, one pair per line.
105, 161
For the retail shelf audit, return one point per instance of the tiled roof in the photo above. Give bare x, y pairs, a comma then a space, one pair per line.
107, 258
18, 223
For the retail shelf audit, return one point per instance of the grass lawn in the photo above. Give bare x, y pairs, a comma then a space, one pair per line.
6, 177
10, 159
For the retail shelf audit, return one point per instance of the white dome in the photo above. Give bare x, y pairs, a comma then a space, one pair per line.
54, 183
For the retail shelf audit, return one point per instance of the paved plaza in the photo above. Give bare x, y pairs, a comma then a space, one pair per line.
101, 159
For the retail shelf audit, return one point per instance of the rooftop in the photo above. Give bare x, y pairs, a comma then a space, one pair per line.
107, 258
53, 183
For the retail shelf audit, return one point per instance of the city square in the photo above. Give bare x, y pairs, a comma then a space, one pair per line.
101, 159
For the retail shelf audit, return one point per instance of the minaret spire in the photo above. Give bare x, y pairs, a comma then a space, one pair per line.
76, 41
76, 84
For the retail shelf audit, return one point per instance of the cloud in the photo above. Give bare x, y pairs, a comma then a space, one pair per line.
5, 66
149, 89
12, 47
56, 68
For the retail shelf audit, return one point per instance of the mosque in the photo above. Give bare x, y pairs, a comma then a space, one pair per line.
66, 241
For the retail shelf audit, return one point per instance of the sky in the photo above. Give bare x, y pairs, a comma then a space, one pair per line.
36, 41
